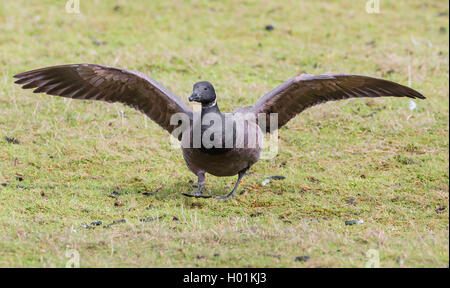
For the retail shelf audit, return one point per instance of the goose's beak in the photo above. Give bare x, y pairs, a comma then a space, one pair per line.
194, 97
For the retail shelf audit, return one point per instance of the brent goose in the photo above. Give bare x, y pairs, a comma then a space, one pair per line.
133, 88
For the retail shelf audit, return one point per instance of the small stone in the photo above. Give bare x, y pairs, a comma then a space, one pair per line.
115, 222
412, 105
84, 225
390, 71
440, 209
313, 180
372, 43
256, 214
269, 27
114, 194
99, 42
354, 222
269, 179
96, 223
12, 140
151, 219
351, 201
302, 258
148, 193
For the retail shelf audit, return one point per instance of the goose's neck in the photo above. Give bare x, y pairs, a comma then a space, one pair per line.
210, 107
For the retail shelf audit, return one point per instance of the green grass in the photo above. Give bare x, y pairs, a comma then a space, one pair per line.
376, 160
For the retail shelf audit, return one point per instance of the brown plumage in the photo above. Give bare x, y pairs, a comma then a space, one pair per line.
304, 91
110, 84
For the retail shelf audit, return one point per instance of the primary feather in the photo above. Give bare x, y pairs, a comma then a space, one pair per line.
110, 84
304, 91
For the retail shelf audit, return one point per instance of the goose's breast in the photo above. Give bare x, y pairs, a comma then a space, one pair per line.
245, 152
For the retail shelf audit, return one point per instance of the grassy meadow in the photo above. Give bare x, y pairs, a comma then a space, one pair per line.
65, 164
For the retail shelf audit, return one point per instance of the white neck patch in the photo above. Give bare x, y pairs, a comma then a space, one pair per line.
212, 104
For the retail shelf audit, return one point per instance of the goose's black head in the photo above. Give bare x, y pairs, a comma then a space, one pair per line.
204, 93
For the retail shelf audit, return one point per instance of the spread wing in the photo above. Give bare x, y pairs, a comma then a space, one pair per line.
110, 84
304, 91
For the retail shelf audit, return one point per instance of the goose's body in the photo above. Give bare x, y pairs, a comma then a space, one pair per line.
110, 84
237, 159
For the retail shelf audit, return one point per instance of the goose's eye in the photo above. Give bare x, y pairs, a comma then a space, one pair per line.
205, 89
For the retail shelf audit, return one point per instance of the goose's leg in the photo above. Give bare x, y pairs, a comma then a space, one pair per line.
200, 185
231, 194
